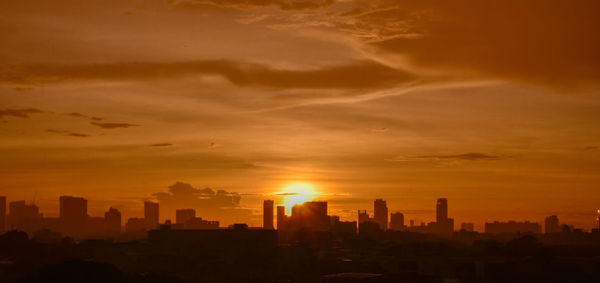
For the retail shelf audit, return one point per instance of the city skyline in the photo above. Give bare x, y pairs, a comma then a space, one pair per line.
74, 219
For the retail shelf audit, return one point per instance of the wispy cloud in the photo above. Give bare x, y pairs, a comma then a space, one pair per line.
20, 113
354, 75
113, 125
67, 133
162, 144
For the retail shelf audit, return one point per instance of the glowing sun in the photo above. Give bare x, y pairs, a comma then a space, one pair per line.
297, 193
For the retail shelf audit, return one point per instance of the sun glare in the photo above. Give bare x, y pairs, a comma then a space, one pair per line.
297, 193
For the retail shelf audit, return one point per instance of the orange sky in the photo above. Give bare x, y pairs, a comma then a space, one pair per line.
492, 104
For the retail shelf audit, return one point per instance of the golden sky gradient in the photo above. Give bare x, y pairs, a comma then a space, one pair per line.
492, 104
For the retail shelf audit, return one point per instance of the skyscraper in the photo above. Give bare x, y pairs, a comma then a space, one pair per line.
552, 225
112, 219
281, 217
268, 214
151, 214
381, 213
397, 221
24, 217
73, 215
443, 224
598, 219
183, 215
2, 214
441, 211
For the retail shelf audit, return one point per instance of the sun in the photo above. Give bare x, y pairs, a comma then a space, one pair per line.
297, 193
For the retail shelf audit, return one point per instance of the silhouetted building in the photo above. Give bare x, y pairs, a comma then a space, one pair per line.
512, 227
183, 215
342, 229
268, 214
443, 224
363, 216
397, 221
310, 215
73, 215
24, 217
151, 214
380, 215
2, 215
441, 210
197, 223
112, 218
281, 217
598, 219
551, 224
465, 226
135, 226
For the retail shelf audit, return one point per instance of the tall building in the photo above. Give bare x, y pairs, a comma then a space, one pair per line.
24, 217
151, 215
268, 214
310, 215
443, 224
363, 216
281, 217
183, 215
2, 214
551, 224
112, 220
397, 221
381, 213
73, 215
598, 219
441, 210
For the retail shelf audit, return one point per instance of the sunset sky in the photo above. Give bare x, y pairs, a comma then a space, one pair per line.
494, 105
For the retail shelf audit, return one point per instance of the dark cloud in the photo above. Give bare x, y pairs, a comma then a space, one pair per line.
208, 203
464, 156
20, 113
76, 114
356, 75
162, 144
113, 125
248, 4
79, 115
450, 158
591, 148
67, 133
550, 42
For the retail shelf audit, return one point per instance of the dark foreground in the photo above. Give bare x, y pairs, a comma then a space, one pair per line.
255, 256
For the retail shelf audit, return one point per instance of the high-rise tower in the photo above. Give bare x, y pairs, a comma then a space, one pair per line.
268, 214
381, 214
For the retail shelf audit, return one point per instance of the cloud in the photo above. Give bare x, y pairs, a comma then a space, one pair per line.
378, 130
162, 144
355, 75
67, 133
472, 156
591, 148
249, 4
79, 115
113, 125
214, 145
464, 156
20, 113
551, 42
208, 203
